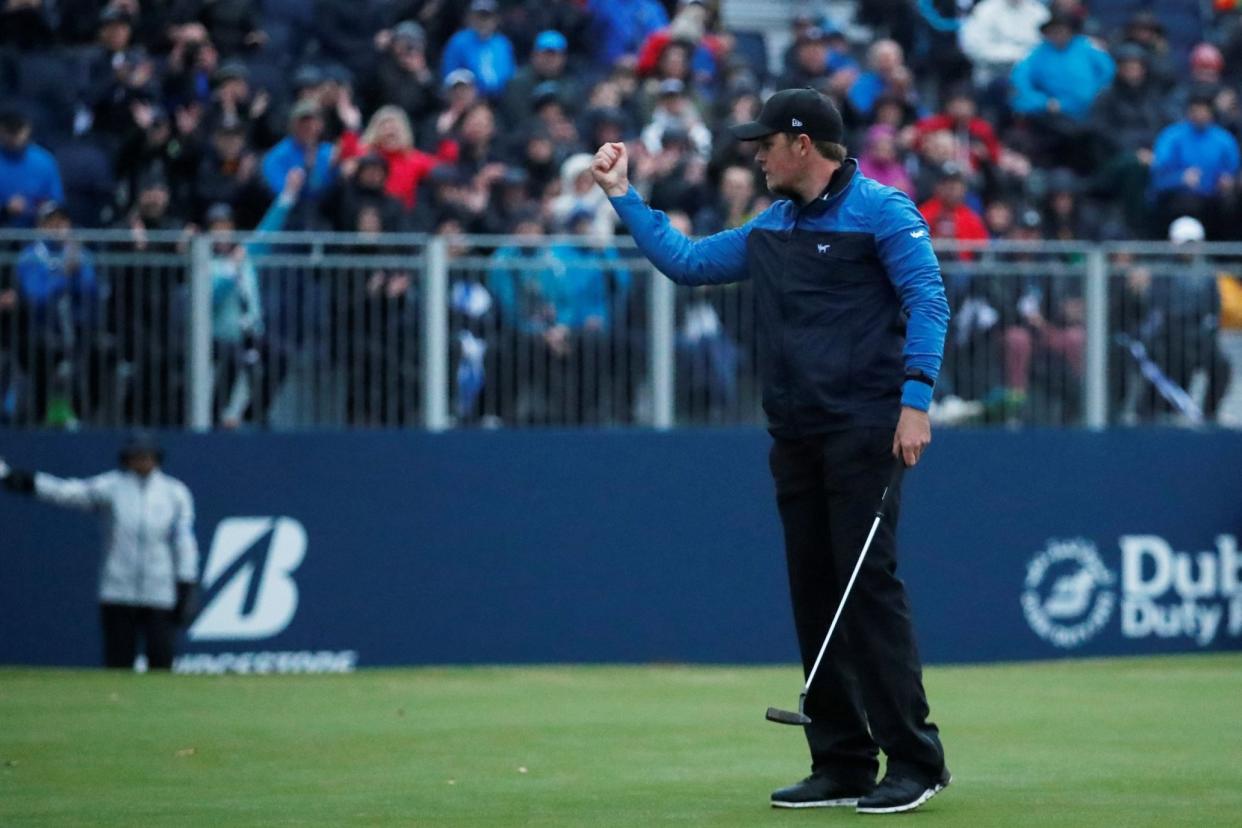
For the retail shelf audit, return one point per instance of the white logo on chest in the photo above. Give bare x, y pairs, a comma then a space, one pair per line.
823, 248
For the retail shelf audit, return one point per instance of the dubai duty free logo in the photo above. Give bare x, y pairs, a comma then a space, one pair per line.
1067, 596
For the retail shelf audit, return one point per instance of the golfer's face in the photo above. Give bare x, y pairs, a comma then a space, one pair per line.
780, 163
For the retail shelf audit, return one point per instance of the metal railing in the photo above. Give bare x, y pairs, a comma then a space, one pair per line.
337, 330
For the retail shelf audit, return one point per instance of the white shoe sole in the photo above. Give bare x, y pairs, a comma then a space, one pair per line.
909, 806
819, 803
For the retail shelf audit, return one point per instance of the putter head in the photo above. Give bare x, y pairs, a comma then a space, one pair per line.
789, 717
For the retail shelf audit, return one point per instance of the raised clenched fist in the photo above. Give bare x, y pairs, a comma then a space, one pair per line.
610, 168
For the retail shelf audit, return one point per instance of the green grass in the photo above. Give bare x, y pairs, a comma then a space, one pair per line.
1112, 742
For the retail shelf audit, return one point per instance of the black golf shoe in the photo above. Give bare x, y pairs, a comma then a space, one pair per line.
896, 794
819, 791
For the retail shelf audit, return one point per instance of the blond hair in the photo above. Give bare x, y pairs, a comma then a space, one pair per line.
396, 113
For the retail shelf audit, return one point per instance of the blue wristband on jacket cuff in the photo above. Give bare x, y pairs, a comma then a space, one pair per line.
916, 394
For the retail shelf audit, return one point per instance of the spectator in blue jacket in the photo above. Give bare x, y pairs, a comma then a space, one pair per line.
482, 49
1054, 88
1063, 75
619, 27
1195, 168
303, 149
59, 303
28, 173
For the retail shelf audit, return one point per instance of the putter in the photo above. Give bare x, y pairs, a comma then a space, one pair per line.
799, 718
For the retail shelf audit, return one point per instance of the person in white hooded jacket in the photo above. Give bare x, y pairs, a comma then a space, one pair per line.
149, 568
999, 33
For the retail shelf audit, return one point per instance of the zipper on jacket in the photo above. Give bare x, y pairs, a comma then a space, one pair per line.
142, 524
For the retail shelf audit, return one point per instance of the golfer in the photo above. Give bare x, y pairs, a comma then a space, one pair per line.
852, 320
149, 568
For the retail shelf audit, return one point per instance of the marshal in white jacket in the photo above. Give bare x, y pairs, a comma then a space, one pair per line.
148, 527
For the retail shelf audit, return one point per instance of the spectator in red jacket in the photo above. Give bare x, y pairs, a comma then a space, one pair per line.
974, 134
388, 134
946, 211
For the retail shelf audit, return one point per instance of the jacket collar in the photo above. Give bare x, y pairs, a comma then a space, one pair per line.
837, 185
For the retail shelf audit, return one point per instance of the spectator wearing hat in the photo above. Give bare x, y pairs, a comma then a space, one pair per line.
59, 303
302, 149
114, 39
811, 59
1145, 30
619, 27
402, 75
947, 213
233, 100
29, 175
996, 34
481, 48
241, 343
460, 92
1195, 168
1055, 86
1207, 69
674, 109
589, 296
1066, 217
1126, 117
1044, 335
229, 174
365, 189
1063, 74
549, 61
580, 195
149, 569
677, 175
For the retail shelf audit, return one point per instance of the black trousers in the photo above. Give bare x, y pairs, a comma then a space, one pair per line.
123, 624
868, 693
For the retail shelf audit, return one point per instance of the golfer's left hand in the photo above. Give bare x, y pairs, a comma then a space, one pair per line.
913, 435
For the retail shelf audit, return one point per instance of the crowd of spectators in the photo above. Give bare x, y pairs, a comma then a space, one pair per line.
1019, 119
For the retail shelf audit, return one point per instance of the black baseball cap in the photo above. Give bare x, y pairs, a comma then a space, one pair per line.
798, 111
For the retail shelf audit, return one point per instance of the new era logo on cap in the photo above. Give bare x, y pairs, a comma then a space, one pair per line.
804, 110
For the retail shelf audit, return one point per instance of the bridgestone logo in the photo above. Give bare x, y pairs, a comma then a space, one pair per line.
323, 661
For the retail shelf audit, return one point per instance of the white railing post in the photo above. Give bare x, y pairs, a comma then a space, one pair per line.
662, 324
198, 347
435, 335
1096, 373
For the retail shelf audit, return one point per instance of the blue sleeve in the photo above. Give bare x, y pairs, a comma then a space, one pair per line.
87, 284
33, 279
1105, 68
275, 167
273, 220
905, 247
714, 260
1166, 170
1231, 153
1026, 98
454, 56
55, 188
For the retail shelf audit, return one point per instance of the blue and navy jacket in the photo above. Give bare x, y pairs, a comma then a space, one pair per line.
850, 301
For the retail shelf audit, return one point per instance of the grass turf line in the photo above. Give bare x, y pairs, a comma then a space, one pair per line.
1155, 741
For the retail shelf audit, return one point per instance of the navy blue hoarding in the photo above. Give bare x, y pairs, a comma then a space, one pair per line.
329, 551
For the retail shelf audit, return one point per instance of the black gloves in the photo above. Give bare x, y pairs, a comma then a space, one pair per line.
187, 603
17, 480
